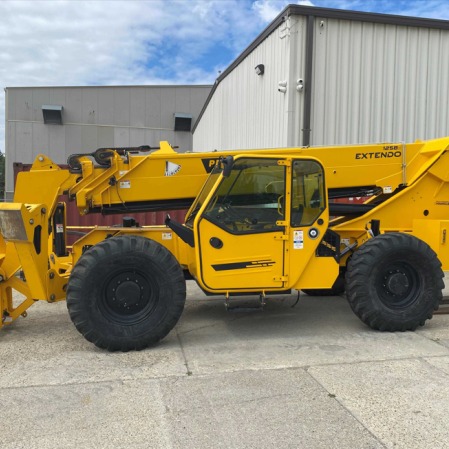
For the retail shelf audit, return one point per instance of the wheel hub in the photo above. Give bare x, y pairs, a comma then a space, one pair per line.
397, 283
127, 293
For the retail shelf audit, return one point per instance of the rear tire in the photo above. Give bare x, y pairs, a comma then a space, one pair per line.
394, 282
126, 293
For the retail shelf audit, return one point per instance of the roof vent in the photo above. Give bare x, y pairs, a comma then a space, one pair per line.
52, 114
183, 122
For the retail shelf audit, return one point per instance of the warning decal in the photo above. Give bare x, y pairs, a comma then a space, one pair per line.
171, 168
298, 239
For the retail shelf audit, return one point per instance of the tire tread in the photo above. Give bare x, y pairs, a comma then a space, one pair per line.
86, 318
375, 252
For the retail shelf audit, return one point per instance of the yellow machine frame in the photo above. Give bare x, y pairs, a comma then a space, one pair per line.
407, 190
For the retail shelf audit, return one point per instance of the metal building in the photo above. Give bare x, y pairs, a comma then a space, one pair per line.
59, 121
319, 76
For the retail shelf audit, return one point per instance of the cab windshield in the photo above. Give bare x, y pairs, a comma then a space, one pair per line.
199, 201
251, 198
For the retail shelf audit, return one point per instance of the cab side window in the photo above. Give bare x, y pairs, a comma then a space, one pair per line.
308, 196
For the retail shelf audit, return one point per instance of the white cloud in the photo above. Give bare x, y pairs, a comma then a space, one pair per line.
269, 9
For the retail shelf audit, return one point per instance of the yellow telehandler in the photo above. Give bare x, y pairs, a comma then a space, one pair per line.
260, 222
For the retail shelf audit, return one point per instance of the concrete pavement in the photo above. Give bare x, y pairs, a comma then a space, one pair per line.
310, 376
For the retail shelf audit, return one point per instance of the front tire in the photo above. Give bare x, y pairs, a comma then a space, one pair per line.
394, 282
126, 293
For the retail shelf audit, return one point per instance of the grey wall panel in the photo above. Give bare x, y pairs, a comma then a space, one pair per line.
39, 97
138, 109
11, 140
41, 140
376, 82
21, 106
10, 156
152, 137
57, 97
122, 106
181, 140
166, 135
95, 117
182, 99
105, 114
56, 140
105, 136
121, 137
153, 107
246, 110
24, 140
89, 139
74, 141
136, 137
10, 107
371, 82
297, 71
74, 98
439, 87
167, 108
90, 106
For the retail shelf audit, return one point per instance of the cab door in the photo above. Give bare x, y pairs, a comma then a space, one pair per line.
242, 231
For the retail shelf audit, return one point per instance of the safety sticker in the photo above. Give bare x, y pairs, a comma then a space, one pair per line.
388, 189
59, 228
171, 168
298, 239
166, 236
125, 184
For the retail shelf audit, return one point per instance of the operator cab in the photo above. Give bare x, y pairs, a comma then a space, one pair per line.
254, 216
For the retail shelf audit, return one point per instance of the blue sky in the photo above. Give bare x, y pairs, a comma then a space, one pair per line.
76, 42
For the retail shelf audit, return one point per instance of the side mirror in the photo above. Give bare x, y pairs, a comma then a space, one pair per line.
227, 162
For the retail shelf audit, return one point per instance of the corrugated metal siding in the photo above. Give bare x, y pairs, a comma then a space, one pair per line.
246, 110
96, 117
376, 82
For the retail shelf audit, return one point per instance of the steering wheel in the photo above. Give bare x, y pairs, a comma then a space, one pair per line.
234, 216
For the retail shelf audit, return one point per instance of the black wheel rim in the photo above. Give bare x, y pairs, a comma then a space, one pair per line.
398, 285
128, 297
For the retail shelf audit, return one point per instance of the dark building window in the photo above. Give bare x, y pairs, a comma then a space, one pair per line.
52, 114
183, 122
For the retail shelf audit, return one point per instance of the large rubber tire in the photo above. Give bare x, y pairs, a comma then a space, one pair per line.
126, 293
394, 282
